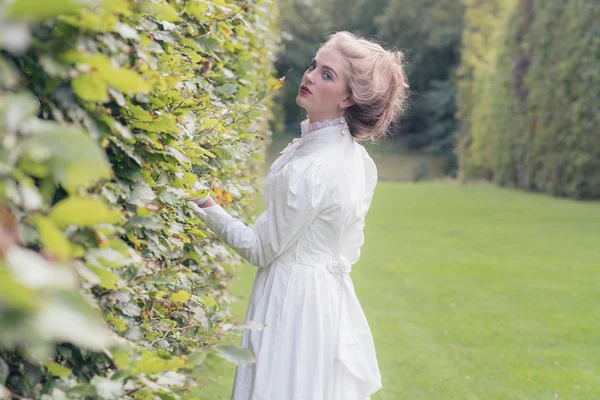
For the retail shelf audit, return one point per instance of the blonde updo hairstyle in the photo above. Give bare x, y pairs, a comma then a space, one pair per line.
375, 80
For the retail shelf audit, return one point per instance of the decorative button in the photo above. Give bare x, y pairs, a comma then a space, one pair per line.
339, 265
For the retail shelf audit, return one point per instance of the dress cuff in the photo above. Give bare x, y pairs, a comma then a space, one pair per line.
214, 216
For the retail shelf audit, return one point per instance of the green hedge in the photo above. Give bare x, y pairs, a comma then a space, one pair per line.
535, 124
476, 77
113, 115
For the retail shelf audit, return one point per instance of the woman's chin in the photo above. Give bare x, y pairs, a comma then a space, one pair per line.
302, 101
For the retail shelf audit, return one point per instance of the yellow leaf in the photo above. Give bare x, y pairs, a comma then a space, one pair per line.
117, 322
57, 369
180, 297
83, 212
209, 301
53, 239
278, 84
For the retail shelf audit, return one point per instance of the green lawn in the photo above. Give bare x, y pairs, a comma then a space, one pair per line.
473, 292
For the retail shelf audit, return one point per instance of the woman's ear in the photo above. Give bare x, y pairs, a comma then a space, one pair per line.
347, 102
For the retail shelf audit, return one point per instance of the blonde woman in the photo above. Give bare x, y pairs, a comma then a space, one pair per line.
317, 344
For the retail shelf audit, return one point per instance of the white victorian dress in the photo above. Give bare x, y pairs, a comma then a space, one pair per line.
317, 344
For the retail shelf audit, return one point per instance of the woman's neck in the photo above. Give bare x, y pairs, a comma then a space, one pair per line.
312, 119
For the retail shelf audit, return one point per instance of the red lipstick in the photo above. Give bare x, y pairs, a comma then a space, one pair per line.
305, 90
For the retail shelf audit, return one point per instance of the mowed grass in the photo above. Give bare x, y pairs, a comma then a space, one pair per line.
472, 292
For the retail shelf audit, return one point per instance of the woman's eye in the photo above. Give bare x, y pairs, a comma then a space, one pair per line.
327, 75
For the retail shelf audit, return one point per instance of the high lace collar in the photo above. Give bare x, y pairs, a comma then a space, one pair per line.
307, 127
333, 130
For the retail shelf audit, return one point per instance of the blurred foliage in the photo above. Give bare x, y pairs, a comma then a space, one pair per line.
477, 76
529, 108
428, 32
113, 115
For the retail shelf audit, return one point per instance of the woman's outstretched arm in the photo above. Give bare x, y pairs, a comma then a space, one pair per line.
297, 199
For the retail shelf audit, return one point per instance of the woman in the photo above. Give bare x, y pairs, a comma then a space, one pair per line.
317, 344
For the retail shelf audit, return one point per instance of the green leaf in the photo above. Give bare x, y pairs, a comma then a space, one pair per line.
53, 239
197, 9
18, 108
164, 123
164, 12
30, 268
180, 296
32, 10
236, 354
14, 293
97, 22
71, 319
209, 301
86, 391
108, 280
82, 211
108, 389
57, 369
121, 355
151, 363
117, 322
125, 80
75, 159
91, 87
142, 194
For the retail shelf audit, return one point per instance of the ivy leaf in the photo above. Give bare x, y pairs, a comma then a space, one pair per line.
91, 87
81, 211
57, 369
236, 354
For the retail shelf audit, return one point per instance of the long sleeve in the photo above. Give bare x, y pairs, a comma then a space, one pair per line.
355, 236
298, 198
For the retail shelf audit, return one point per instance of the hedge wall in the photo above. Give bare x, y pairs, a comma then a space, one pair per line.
481, 37
112, 115
540, 126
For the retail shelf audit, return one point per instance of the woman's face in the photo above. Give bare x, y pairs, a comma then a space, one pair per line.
322, 92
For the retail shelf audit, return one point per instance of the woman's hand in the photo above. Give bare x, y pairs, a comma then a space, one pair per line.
204, 202
208, 203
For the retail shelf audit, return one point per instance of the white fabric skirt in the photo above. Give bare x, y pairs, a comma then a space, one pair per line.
296, 351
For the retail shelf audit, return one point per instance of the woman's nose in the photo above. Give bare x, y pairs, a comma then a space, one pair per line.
308, 77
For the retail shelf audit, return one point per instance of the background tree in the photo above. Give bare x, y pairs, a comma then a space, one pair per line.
428, 33
534, 123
